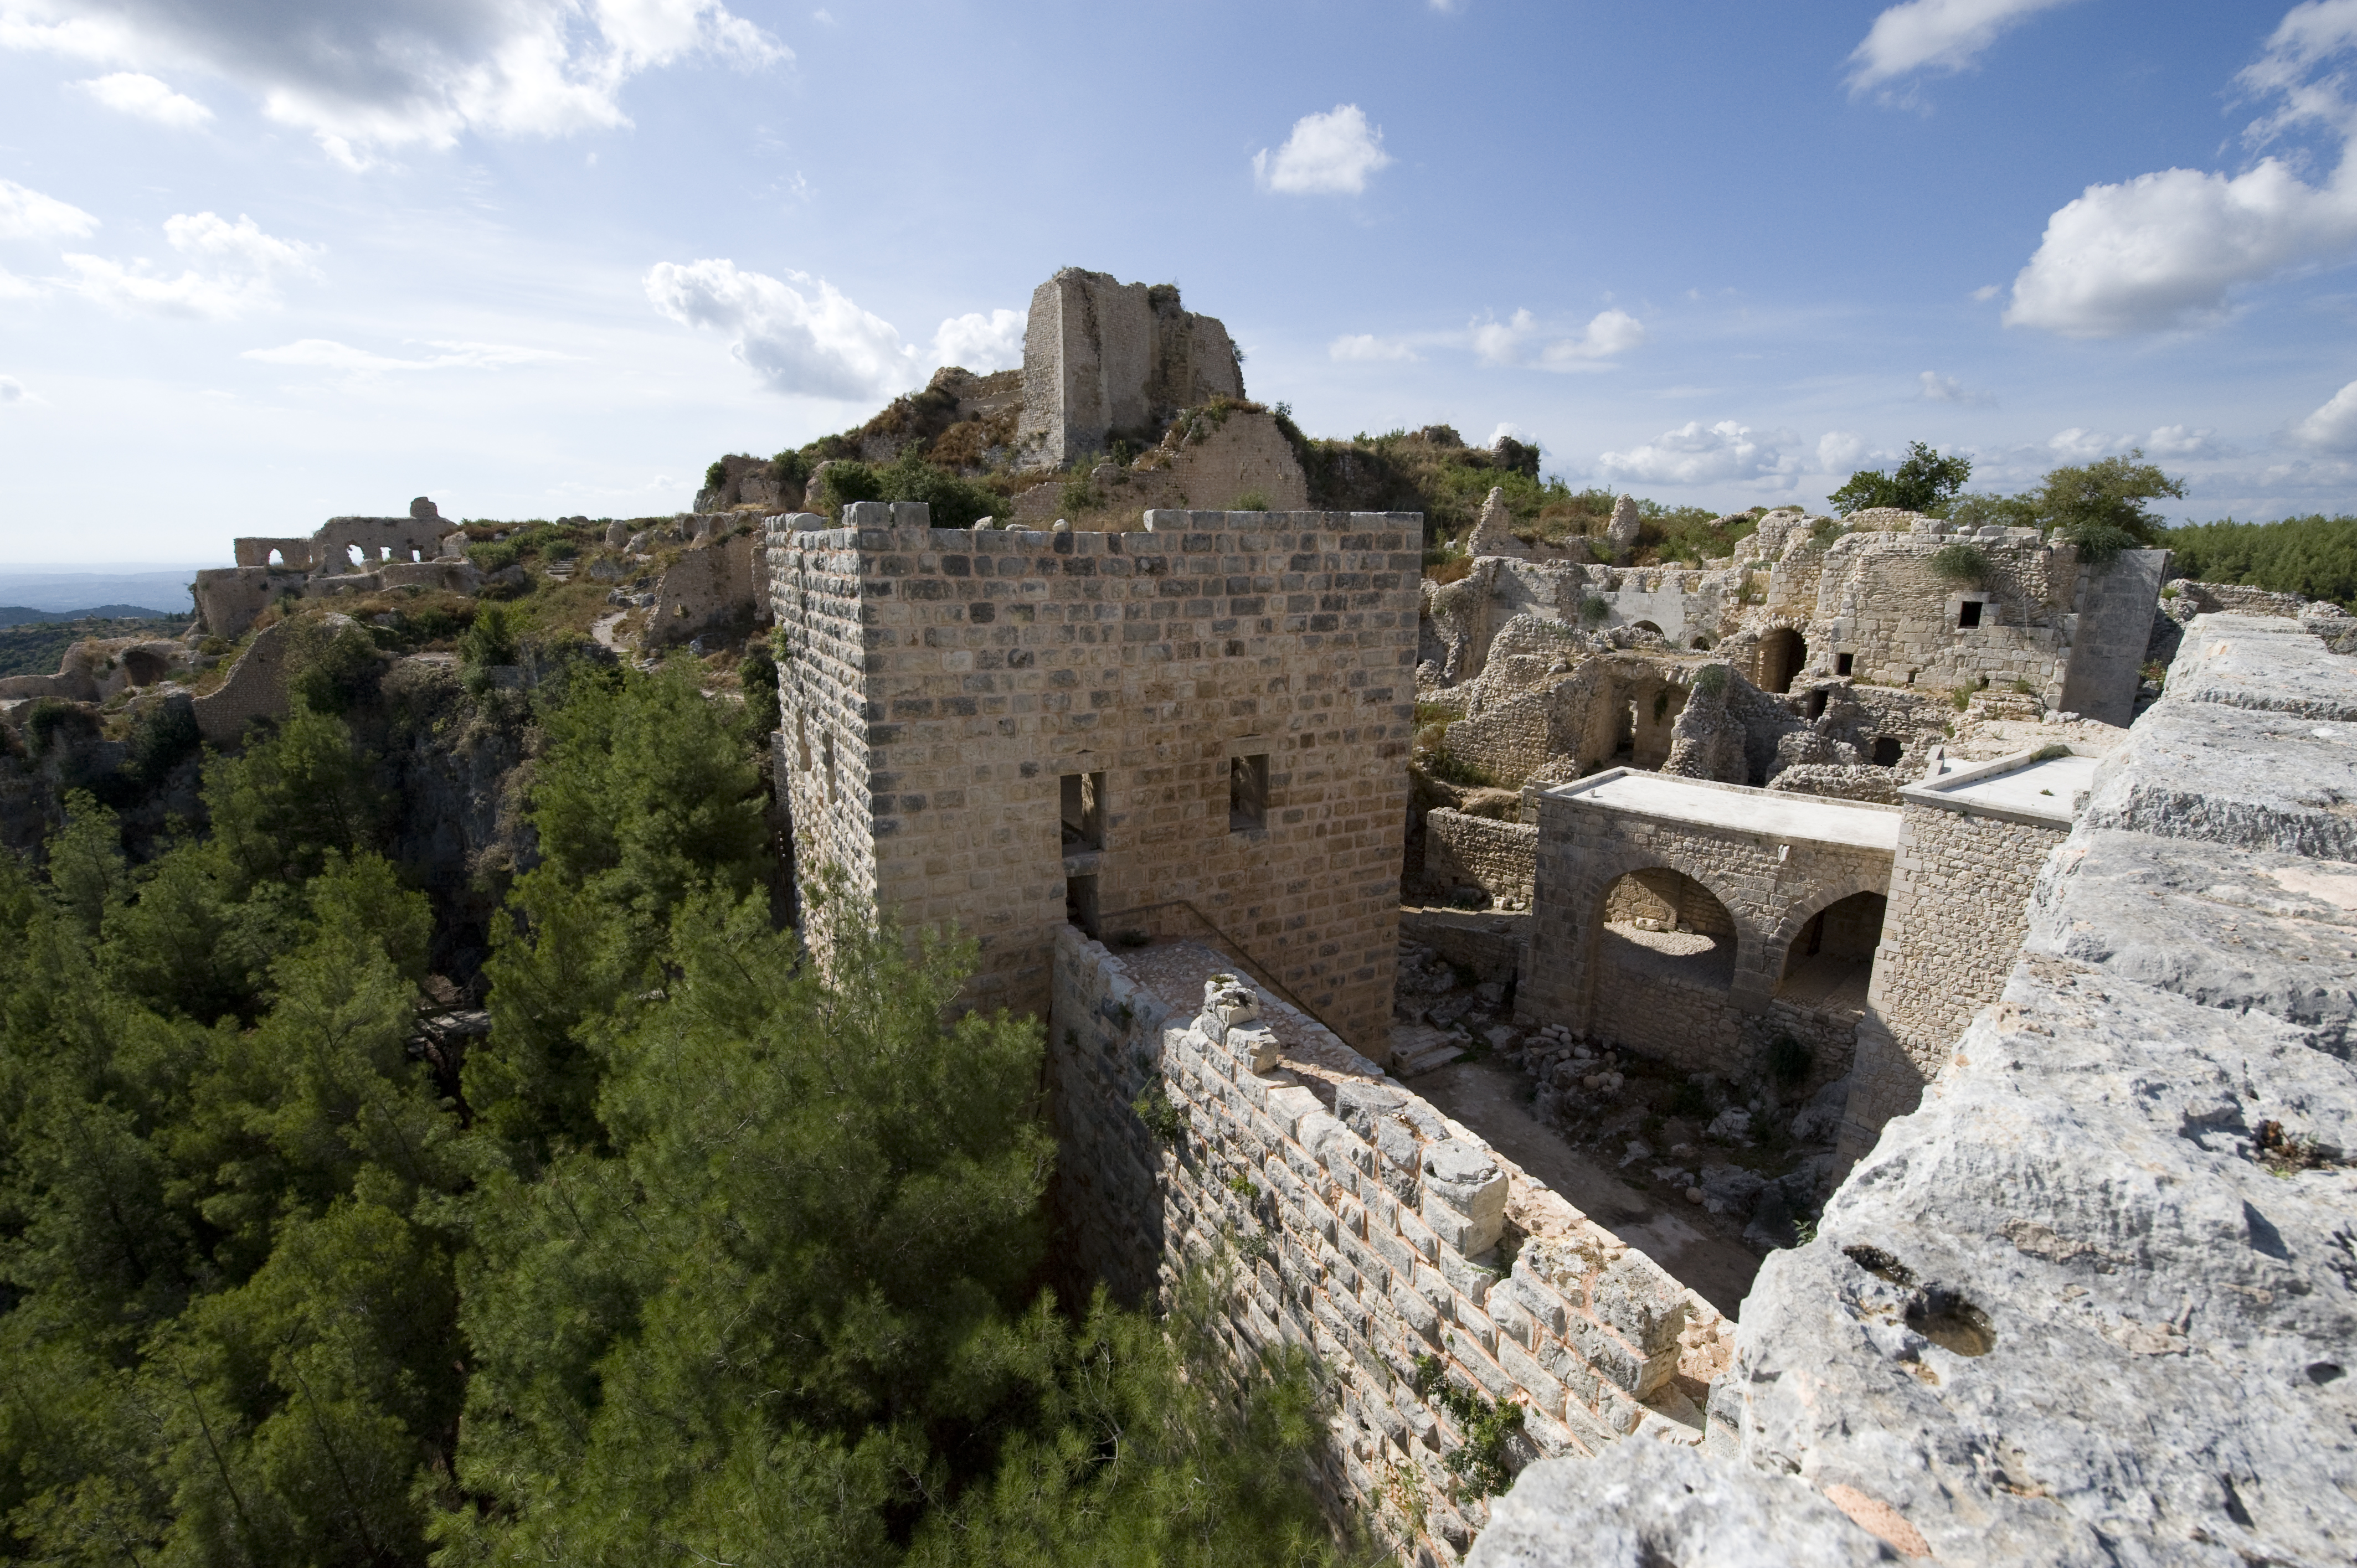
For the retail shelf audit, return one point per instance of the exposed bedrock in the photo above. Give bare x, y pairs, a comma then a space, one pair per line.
2095, 1301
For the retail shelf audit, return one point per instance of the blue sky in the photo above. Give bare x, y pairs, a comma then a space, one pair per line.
261, 263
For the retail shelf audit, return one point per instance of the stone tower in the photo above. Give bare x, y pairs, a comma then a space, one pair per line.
1102, 358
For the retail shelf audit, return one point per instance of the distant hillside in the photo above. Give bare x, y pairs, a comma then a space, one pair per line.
18, 614
36, 647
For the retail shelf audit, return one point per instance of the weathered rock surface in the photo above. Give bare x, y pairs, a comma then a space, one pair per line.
2096, 1301
1639, 1505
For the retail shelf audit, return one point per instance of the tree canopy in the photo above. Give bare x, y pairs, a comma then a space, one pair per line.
713, 1256
1924, 482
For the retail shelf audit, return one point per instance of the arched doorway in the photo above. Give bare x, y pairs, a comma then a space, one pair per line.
1831, 955
1664, 959
1783, 654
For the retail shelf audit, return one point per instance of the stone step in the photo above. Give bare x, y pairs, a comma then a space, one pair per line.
1419, 1049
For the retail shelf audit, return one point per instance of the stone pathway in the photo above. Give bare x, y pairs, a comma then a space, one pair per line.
601, 631
1486, 1097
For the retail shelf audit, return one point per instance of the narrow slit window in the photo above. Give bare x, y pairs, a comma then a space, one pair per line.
1968, 614
1247, 793
1084, 811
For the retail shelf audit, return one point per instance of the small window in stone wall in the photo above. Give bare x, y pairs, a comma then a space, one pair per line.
1886, 752
1247, 793
1844, 663
801, 741
1082, 811
1968, 614
828, 746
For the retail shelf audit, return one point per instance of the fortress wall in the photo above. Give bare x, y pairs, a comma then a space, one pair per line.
961, 675
1344, 1217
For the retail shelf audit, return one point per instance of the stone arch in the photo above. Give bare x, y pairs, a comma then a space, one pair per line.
145, 668
1645, 626
1776, 940
277, 557
1750, 941
1783, 654
1701, 645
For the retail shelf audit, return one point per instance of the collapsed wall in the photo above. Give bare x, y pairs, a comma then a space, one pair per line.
2093, 1301
1200, 1124
1102, 357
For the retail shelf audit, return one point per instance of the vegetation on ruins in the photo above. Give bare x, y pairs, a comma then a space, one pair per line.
1961, 563
703, 1252
1924, 481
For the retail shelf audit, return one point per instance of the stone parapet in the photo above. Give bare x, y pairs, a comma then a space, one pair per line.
1345, 1216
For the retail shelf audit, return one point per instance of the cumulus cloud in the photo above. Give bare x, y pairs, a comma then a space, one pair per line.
1938, 388
1330, 153
399, 72
233, 268
804, 337
1509, 431
2182, 441
1934, 35
326, 354
2168, 250
133, 93
2078, 445
982, 342
1838, 451
1366, 346
26, 214
1520, 340
1699, 453
2331, 428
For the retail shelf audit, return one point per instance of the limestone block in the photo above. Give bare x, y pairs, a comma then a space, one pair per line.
2185, 771
1464, 1196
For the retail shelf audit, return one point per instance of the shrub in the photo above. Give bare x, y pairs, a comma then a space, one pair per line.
756, 676
1451, 768
1690, 1100
1490, 1429
1161, 1118
1593, 609
1712, 680
1252, 500
165, 733
489, 639
52, 718
1960, 562
715, 476
331, 673
494, 554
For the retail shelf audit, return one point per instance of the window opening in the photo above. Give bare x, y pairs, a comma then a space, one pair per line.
802, 739
1886, 752
1817, 704
1084, 811
1968, 614
1844, 663
1247, 793
828, 746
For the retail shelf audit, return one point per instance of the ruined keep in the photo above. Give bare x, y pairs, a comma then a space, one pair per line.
1103, 358
346, 554
1200, 729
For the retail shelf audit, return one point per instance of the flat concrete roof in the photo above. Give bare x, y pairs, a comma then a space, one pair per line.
1772, 813
2013, 787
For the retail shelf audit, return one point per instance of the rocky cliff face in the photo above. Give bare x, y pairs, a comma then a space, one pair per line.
2096, 1301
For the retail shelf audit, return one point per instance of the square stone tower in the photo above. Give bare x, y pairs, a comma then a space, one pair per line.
1102, 357
1199, 730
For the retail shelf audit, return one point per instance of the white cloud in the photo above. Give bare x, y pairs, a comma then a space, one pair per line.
1838, 451
1697, 454
1510, 432
14, 287
813, 344
28, 215
1334, 151
1934, 35
12, 392
2333, 427
2075, 445
1938, 388
237, 269
1988, 292
326, 353
2181, 442
2168, 250
980, 342
1366, 346
399, 72
1519, 341
130, 92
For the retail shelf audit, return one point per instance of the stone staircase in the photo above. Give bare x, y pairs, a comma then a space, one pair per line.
1419, 1048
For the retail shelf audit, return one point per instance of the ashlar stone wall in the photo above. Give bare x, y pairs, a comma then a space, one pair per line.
1767, 881
1880, 602
940, 685
1344, 1216
1960, 887
1499, 858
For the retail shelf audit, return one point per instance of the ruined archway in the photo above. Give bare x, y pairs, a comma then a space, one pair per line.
1831, 957
1665, 957
1888, 751
145, 668
1783, 653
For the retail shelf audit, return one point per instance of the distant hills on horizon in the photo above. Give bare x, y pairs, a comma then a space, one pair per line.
20, 615
146, 590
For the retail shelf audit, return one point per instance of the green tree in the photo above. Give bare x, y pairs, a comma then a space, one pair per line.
2102, 507
1924, 482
